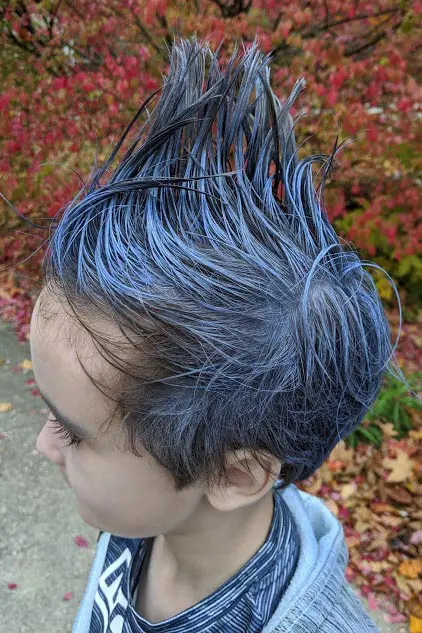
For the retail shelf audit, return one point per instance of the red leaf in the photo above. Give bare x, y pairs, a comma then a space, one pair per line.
81, 541
12, 585
372, 603
68, 596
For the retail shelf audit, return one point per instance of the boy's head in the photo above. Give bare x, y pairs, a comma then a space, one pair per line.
117, 491
201, 304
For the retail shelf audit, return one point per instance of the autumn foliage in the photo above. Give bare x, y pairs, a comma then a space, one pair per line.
74, 73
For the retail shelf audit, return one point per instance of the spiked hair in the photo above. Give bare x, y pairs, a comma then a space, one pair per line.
262, 330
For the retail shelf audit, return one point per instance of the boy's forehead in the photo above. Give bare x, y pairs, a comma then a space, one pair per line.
59, 374
55, 331
56, 342
49, 322
53, 319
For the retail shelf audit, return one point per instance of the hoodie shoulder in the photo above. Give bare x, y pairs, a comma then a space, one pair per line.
348, 615
319, 599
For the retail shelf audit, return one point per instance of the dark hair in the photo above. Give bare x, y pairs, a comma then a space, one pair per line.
261, 329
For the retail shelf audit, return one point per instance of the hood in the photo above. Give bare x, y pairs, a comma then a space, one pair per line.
320, 572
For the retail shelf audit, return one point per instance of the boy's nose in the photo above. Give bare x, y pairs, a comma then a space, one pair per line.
48, 445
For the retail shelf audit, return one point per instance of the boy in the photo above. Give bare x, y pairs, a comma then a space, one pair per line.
231, 342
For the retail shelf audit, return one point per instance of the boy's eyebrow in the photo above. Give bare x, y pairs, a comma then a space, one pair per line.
73, 428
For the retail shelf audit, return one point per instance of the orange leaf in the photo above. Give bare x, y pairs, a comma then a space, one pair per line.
415, 624
378, 507
411, 568
399, 494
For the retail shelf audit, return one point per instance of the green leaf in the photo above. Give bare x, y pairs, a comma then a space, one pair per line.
407, 23
405, 420
413, 403
404, 266
369, 436
396, 414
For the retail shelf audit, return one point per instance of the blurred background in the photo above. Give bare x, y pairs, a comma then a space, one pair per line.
74, 73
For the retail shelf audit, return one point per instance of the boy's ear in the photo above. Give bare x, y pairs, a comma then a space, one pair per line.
248, 480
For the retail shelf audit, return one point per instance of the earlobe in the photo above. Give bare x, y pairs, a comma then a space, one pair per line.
247, 480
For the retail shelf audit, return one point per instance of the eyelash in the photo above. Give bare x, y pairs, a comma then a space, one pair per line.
65, 434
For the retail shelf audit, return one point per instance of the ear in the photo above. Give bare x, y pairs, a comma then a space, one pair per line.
248, 480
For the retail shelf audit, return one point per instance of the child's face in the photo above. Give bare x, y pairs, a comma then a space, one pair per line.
115, 491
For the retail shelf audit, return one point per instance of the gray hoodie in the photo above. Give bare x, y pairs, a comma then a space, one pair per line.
318, 598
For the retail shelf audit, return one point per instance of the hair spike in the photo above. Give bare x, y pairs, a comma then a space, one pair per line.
264, 332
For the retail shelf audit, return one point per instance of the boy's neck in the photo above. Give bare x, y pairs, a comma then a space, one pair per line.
187, 566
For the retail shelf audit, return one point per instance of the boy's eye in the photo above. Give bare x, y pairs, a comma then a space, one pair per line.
64, 433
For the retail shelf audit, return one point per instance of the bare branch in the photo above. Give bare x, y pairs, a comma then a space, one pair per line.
327, 14
289, 51
362, 16
277, 21
148, 37
363, 47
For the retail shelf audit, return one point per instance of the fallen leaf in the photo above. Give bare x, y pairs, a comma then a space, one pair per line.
415, 624
411, 568
378, 507
81, 541
398, 618
372, 603
352, 541
399, 494
335, 465
68, 596
391, 521
26, 364
362, 526
417, 340
401, 467
11, 585
388, 429
416, 537
348, 490
5, 406
377, 542
342, 453
415, 607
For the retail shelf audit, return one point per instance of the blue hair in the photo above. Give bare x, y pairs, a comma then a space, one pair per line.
261, 329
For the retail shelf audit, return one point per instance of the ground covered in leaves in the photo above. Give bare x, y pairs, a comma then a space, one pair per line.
377, 496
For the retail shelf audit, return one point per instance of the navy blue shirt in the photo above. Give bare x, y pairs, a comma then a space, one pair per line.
243, 604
